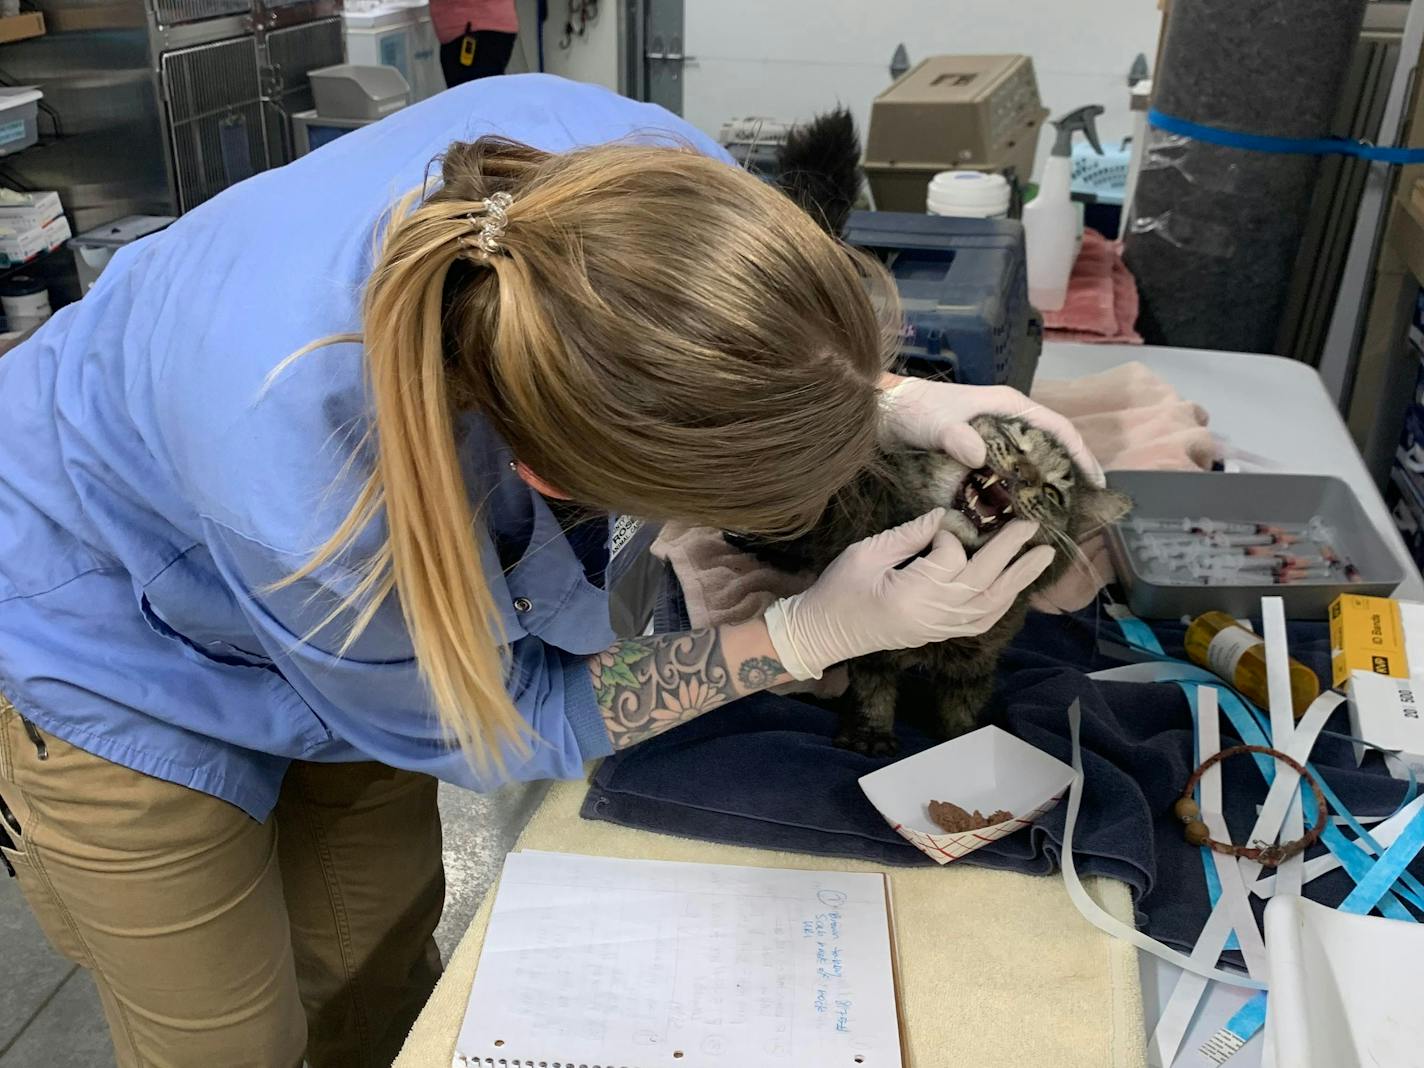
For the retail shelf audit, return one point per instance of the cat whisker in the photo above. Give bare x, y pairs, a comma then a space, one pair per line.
1075, 553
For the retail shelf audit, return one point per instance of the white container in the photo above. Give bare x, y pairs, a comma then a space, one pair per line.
427, 77
1051, 231
987, 769
1344, 987
26, 303
94, 248
399, 36
19, 117
968, 194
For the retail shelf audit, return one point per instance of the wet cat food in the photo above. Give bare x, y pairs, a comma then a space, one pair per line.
952, 819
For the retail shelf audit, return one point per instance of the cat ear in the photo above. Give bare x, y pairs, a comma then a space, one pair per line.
1098, 508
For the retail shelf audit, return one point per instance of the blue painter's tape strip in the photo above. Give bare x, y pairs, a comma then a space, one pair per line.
1386, 870
1249, 1018
1139, 634
1357, 864
1283, 146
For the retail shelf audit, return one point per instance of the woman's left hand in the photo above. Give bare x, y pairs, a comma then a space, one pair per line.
935, 415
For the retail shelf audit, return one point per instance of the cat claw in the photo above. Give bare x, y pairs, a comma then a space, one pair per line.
868, 743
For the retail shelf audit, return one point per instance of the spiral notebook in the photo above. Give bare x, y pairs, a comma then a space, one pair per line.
597, 962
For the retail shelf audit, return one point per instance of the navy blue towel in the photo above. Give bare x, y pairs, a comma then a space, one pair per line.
763, 773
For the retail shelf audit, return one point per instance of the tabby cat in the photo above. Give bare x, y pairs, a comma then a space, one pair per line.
1029, 475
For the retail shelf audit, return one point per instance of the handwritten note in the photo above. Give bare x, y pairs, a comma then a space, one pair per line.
648, 963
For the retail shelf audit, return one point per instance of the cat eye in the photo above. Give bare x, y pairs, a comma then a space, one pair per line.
1056, 494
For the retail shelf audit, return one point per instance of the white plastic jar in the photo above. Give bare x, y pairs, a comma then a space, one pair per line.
968, 194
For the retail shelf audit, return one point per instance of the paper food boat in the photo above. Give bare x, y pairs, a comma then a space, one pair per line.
988, 769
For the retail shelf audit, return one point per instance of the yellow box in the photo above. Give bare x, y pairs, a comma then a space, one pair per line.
1366, 634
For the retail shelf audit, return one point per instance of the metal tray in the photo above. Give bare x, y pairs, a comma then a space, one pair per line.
1250, 498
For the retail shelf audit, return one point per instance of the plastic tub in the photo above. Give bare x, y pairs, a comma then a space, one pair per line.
26, 302
1249, 498
94, 248
19, 118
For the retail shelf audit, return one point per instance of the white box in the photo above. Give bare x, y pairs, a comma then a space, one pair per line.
1386, 712
31, 213
17, 248
987, 769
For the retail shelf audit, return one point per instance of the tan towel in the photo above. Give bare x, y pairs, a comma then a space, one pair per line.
1131, 420
998, 970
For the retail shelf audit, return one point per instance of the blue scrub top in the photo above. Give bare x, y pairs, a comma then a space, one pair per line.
151, 488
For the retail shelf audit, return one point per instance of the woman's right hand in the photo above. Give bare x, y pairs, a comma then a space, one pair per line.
863, 603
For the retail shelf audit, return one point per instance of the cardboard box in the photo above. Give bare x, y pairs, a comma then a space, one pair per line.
1377, 654
20, 27
1367, 634
35, 211
17, 248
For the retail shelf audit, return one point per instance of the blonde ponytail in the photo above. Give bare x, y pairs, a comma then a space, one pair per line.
656, 334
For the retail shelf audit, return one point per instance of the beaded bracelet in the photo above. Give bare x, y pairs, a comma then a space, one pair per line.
1266, 854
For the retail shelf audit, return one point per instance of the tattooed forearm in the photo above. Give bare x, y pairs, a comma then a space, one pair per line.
645, 686
758, 672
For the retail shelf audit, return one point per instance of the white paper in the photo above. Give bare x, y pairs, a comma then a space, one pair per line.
1094, 913
1345, 988
1290, 874
988, 769
633, 963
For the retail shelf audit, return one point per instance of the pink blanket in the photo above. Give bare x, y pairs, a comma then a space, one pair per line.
1102, 297
1131, 420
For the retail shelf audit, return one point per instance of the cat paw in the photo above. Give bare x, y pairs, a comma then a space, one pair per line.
868, 742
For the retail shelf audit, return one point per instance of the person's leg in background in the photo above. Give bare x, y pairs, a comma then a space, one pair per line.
361, 865
492, 52
476, 54
170, 897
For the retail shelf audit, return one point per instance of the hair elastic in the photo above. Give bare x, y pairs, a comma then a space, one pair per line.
491, 223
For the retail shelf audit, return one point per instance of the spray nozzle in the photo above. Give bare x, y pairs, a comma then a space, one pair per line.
1080, 120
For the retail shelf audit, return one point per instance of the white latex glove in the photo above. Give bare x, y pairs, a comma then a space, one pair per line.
863, 604
935, 415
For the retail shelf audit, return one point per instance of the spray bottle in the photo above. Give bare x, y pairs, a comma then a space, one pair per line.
1050, 219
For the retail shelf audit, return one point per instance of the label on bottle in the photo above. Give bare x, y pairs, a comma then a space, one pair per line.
1227, 649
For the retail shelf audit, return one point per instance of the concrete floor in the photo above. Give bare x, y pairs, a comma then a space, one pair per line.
49, 1010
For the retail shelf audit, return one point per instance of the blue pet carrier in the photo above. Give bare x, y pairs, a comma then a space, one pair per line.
964, 287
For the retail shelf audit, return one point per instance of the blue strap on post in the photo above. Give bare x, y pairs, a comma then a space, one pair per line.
1283, 146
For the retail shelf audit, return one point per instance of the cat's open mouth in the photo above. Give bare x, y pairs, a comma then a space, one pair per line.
984, 500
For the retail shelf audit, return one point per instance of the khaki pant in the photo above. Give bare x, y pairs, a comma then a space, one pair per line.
217, 940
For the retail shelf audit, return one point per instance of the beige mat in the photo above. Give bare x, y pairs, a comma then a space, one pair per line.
997, 969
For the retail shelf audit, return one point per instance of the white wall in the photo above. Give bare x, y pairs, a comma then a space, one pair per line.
790, 58
787, 59
590, 58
